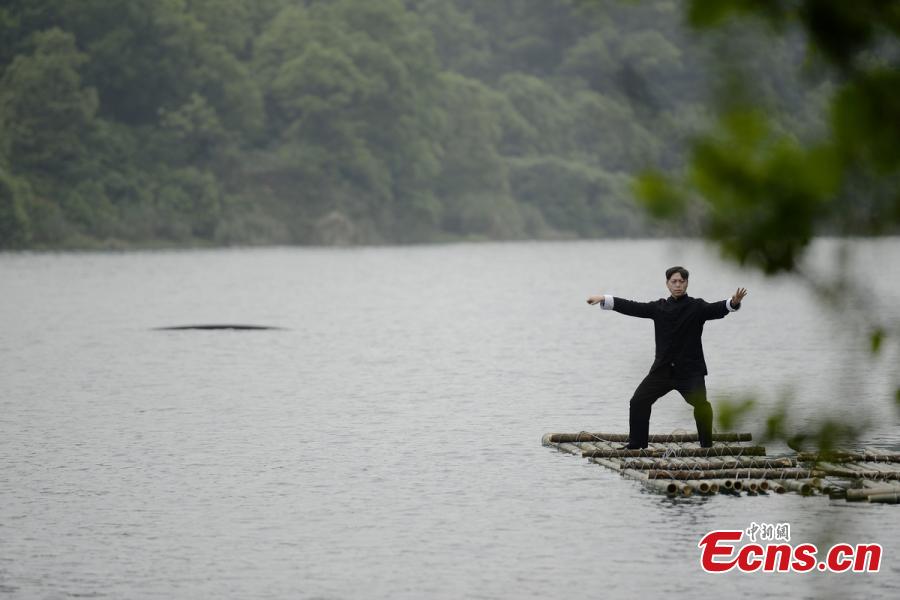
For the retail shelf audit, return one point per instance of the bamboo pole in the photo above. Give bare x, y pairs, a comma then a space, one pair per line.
683, 488
725, 485
665, 438
882, 457
701, 487
737, 474
854, 472
875, 466
874, 487
801, 487
736, 462
720, 463
830, 482
872, 490
667, 487
851, 475
585, 446
889, 498
570, 448
686, 490
844, 469
680, 452
841, 457
600, 446
829, 486
727, 462
817, 482
776, 486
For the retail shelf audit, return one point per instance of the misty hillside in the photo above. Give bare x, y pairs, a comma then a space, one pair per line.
352, 121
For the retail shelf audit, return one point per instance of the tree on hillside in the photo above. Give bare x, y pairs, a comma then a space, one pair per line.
15, 230
45, 110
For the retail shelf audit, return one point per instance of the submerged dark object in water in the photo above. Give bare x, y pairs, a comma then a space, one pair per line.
218, 326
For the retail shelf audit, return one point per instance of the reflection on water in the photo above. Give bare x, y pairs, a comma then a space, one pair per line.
386, 442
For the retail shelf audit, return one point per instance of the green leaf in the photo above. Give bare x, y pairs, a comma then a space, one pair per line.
730, 413
860, 112
876, 338
776, 424
766, 191
709, 13
659, 195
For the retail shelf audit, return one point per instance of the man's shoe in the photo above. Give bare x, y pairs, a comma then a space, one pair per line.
630, 446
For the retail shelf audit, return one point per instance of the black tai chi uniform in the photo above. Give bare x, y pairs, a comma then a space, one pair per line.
679, 363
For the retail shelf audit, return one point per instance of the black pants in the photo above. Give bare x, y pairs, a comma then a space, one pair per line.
656, 385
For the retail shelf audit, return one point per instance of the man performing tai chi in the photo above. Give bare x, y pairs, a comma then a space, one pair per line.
679, 365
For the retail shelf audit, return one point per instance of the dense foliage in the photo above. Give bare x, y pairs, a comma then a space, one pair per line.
767, 188
351, 121
764, 185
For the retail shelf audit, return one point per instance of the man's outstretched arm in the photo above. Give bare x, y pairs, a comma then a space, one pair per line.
620, 305
719, 309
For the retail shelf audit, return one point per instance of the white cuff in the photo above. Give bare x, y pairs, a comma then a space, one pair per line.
607, 302
729, 307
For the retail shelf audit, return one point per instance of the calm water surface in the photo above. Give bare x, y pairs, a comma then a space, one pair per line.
386, 443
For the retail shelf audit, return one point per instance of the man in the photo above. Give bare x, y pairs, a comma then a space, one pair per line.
679, 365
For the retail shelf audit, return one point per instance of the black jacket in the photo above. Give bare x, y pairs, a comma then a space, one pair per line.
679, 327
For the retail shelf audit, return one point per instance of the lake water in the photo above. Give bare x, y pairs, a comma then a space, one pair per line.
386, 442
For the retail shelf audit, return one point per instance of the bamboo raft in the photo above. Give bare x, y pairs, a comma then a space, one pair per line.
676, 465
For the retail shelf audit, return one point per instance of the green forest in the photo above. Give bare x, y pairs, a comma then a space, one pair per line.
127, 123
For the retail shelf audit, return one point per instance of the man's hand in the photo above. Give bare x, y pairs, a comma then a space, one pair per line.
595, 300
738, 296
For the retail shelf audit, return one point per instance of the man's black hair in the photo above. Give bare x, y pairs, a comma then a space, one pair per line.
672, 270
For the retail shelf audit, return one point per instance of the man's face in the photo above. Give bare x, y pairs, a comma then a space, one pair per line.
677, 285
